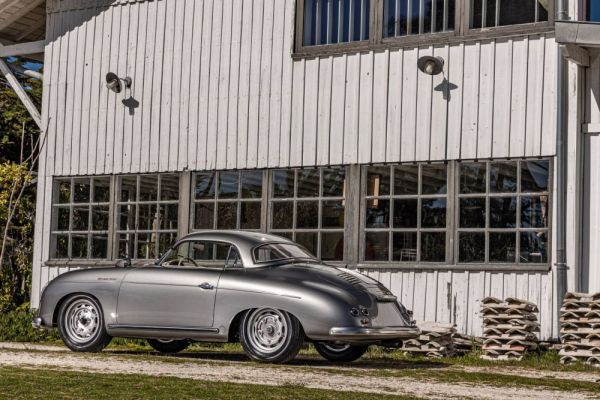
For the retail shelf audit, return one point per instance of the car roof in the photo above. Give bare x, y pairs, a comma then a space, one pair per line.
239, 238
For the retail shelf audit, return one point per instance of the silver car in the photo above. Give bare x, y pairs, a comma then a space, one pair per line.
264, 291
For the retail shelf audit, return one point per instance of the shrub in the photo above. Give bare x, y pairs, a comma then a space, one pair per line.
15, 326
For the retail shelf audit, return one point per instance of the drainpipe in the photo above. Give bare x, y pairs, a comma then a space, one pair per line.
560, 267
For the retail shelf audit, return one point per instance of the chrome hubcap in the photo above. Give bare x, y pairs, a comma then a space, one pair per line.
82, 321
267, 330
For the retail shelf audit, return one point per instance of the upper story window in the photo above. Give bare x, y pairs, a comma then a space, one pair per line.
593, 10
336, 21
324, 26
494, 13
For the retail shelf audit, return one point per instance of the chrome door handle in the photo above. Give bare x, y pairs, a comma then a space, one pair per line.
206, 286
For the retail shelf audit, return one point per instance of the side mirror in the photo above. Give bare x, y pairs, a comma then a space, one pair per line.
124, 263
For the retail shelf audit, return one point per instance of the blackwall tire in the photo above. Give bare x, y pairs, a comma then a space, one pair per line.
270, 335
169, 346
81, 324
340, 353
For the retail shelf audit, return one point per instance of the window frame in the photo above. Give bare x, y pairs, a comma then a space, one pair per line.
462, 31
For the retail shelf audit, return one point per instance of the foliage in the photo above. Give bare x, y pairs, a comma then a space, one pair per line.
15, 326
18, 139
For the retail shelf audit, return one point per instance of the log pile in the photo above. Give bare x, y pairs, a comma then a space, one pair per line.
436, 340
510, 328
580, 328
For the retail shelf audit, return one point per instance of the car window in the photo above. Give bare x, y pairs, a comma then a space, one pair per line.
280, 251
197, 253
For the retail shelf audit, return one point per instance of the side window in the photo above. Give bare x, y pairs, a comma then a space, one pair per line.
199, 253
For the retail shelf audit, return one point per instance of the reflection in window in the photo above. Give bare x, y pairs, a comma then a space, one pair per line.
197, 254
503, 212
80, 218
333, 21
308, 206
227, 200
406, 213
148, 210
413, 17
492, 13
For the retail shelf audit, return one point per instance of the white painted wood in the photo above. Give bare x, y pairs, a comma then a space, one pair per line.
502, 95
22, 49
518, 108
468, 122
394, 106
311, 108
381, 70
351, 113
197, 44
168, 81
280, 58
409, 105
439, 109
486, 107
324, 116
535, 88
337, 123
266, 61
255, 84
224, 75
365, 117
423, 113
549, 100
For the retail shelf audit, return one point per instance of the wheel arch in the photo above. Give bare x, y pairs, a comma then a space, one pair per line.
234, 325
66, 297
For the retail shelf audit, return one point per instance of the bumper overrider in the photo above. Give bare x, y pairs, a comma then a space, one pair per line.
37, 322
386, 333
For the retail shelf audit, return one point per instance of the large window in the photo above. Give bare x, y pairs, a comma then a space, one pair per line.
80, 218
593, 10
147, 216
493, 13
333, 25
228, 200
503, 212
308, 206
406, 213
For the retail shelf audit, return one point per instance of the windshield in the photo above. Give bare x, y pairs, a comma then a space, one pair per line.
280, 251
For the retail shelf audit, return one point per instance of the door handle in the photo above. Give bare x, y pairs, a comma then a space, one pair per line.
206, 286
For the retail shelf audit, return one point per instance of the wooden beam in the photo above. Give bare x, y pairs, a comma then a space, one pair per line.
33, 27
21, 93
21, 12
22, 49
576, 54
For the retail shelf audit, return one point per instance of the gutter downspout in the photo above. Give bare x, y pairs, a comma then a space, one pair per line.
560, 267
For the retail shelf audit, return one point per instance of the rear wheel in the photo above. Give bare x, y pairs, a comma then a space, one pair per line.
81, 324
168, 346
271, 335
340, 352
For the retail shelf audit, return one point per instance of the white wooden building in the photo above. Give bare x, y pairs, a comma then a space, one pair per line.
311, 119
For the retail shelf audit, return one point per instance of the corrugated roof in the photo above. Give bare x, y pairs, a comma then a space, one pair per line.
22, 21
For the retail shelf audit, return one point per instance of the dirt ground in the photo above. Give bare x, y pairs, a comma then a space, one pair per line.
318, 376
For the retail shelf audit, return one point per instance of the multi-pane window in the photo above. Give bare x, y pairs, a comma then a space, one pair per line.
335, 21
80, 215
415, 17
503, 210
493, 13
593, 10
227, 200
405, 217
147, 214
308, 206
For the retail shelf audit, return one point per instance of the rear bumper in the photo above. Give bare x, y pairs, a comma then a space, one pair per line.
375, 334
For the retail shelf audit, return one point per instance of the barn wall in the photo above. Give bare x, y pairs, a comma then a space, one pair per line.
217, 88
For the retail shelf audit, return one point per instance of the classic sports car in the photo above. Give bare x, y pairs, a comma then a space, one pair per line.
264, 291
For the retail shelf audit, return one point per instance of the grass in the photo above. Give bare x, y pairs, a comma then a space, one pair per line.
20, 383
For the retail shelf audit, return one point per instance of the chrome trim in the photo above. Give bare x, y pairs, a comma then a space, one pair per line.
37, 323
163, 328
402, 332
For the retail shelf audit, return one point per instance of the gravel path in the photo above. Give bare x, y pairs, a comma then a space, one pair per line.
246, 373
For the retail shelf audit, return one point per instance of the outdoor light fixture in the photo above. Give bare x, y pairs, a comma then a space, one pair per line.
113, 82
431, 65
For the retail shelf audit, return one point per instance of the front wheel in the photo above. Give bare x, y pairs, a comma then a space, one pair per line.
168, 346
271, 335
340, 352
81, 324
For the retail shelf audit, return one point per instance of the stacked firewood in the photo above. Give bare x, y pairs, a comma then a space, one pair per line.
435, 340
580, 328
510, 328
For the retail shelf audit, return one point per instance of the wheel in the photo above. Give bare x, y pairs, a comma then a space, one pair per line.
81, 324
168, 346
340, 352
271, 335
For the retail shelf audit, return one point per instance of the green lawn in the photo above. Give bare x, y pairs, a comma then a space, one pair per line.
18, 383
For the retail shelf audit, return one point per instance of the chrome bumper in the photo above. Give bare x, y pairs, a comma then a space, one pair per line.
37, 322
357, 333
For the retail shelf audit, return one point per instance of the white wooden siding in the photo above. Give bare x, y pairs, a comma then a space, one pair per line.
220, 76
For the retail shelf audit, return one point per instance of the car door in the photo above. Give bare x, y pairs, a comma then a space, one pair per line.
178, 293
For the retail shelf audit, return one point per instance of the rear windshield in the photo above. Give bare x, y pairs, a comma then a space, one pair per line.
280, 251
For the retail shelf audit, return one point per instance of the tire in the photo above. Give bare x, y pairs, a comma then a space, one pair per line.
340, 353
270, 335
81, 324
168, 346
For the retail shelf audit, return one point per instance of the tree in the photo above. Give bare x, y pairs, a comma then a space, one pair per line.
19, 149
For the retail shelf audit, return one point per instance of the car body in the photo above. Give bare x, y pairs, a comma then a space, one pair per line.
202, 288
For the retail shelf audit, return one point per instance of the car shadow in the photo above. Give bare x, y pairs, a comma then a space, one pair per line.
300, 361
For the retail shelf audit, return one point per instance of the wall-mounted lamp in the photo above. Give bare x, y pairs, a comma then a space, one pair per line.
113, 82
431, 65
